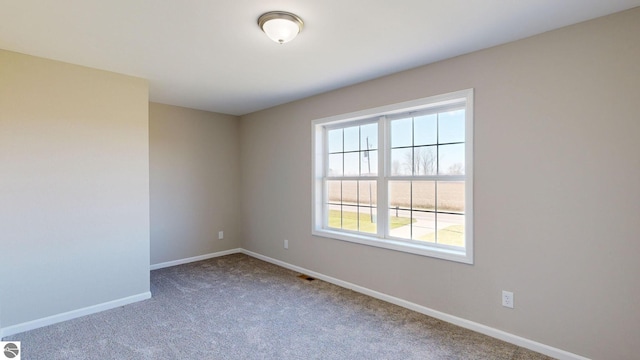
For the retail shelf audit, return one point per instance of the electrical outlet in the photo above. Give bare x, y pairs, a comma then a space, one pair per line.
220, 235
286, 243
507, 299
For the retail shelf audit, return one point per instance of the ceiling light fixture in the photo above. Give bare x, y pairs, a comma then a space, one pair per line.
280, 26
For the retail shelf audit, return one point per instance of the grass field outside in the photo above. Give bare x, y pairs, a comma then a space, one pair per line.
349, 221
451, 235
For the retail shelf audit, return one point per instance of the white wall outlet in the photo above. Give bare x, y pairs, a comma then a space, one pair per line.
220, 235
507, 299
286, 243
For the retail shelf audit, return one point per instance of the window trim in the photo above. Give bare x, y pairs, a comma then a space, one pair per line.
432, 103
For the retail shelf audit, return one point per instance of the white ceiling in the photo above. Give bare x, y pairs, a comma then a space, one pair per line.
211, 55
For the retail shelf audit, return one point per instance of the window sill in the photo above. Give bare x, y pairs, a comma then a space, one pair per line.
461, 256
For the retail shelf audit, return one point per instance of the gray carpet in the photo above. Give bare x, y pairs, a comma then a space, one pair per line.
238, 307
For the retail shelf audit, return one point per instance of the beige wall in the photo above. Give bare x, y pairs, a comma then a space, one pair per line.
557, 169
74, 187
195, 182
557, 165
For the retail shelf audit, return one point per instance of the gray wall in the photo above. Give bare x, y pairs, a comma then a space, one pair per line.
74, 187
195, 182
557, 169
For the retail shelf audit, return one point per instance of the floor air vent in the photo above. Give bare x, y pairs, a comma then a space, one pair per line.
306, 277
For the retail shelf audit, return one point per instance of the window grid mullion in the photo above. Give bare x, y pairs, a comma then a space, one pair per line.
342, 152
413, 147
413, 173
351, 178
435, 216
325, 170
435, 205
383, 168
411, 210
429, 178
359, 154
358, 181
358, 202
438, 143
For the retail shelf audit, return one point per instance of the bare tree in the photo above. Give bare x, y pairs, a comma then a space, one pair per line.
456, 169
423, 161
426, 161
407, 164
395, 167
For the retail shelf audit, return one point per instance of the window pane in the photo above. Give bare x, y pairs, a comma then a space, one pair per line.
401, 161
351, 164
367, 221
400, 194
334, 191
451, 127
335, 140
424, 226
350, 218
401, 132
350, 192
367, 203
451, 159
400, 219
400, 223
367, 193
369, 136
450, 230
451, 196
335, 216
335, 165
334, 197
352, 138
424, 160
425, 130
423, 195
369, 165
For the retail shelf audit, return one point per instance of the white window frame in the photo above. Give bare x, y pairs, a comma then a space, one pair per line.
381, 115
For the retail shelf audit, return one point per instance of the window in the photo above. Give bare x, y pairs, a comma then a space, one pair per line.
398, 177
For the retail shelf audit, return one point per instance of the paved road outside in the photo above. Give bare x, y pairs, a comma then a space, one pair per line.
425, 223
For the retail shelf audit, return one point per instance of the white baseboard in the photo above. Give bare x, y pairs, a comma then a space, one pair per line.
467, 324
49, 320
195, 258
34, 324
483, 329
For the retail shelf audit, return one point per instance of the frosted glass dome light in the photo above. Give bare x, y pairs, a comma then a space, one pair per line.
280, 26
